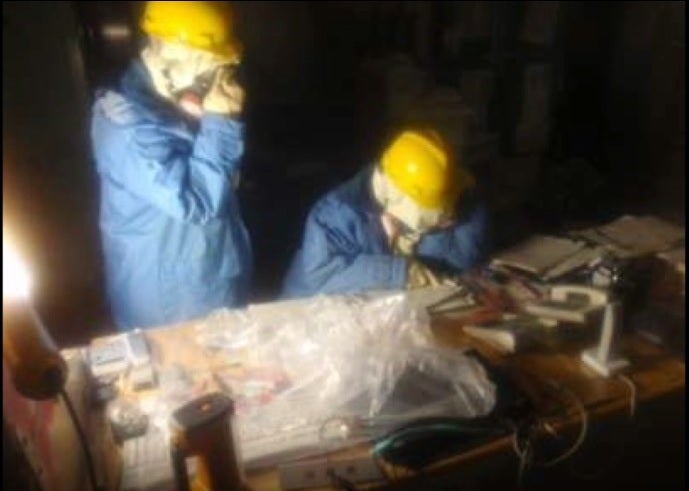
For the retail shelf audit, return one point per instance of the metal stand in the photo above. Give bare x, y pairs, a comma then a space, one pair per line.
601, 358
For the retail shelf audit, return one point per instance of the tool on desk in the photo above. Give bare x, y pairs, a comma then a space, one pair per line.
111, 356
471, 293
203, 428
569, 303
473, 286
490, 295
104, 392
138, 350
107, 357
127, 420
517, 279
142, 374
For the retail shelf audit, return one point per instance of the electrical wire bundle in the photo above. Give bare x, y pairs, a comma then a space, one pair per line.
417, 444
526, 437
529, 431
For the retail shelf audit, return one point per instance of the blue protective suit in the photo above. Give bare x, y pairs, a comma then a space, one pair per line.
174, 242
345, 249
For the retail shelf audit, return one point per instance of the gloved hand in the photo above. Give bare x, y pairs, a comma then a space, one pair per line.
402, 242
390, 226
446, 280
419, 276
225, 96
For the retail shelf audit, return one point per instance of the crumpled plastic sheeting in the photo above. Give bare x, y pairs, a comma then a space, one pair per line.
342, 356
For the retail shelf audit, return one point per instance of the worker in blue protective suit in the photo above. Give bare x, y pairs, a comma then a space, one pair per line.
411, 221
168, 146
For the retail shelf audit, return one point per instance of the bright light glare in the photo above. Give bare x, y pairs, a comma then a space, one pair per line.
16, 281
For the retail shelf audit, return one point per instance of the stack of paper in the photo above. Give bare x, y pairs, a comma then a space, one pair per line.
511, 334
579, 259
631, 236
542, 254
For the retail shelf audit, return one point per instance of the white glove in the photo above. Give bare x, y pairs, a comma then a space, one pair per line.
225, 96
390, 226
402, 242
453, 281
419, 276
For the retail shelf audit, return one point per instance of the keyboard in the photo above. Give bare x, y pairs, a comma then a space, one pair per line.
270, 450
147, 466
146, 463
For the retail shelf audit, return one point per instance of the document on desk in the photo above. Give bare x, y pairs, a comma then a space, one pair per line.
443, 299
539, 254
631, 236
578, 260
509, 335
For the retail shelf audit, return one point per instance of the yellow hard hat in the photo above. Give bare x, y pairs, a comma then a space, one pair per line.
419, 164
203, 25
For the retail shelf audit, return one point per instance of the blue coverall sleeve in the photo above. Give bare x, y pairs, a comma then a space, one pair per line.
469, 243
188, 180
332, 262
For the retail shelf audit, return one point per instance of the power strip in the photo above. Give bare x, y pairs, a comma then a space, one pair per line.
316, 473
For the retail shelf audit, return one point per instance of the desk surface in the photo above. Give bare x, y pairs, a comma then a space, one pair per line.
653, 372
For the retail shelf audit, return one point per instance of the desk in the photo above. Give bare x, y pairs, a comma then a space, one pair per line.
654, 373
657, 376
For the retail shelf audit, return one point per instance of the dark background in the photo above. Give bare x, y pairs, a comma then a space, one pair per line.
578, 115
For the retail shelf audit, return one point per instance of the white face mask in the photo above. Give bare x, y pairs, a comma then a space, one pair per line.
404, 209
174, 67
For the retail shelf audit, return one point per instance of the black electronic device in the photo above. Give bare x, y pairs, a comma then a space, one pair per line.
429, 439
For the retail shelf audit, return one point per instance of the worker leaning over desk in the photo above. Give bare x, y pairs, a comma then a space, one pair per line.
168, 145
412, 220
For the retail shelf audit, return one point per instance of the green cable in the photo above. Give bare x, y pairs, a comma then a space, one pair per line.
380, 447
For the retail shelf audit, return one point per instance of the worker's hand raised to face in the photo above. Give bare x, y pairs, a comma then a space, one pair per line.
391, 227
225, 96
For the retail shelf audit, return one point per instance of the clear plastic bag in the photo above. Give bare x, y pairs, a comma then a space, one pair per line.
294, 365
